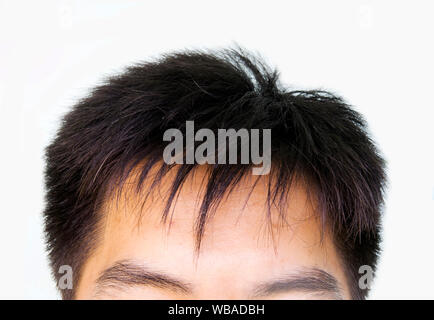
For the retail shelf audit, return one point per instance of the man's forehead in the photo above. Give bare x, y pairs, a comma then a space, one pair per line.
243, 206
238, 235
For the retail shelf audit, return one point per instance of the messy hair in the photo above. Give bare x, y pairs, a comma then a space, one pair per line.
316, 135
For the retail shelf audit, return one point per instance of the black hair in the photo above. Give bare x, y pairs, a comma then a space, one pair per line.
120, 124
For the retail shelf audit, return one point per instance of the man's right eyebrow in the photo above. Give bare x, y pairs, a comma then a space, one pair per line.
126, 273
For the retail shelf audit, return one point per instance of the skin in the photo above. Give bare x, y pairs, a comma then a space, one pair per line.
240, 250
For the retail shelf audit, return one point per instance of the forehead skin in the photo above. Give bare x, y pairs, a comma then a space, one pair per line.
239, 250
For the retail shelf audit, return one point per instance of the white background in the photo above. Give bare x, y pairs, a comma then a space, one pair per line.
377, 54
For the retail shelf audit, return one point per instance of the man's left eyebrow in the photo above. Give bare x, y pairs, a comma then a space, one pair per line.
312, 280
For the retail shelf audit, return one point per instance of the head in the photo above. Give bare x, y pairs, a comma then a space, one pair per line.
132, 225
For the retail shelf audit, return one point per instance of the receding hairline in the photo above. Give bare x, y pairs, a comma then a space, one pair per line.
140, 195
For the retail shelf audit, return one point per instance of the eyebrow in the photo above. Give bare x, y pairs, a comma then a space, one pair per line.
310, 280
127, 273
